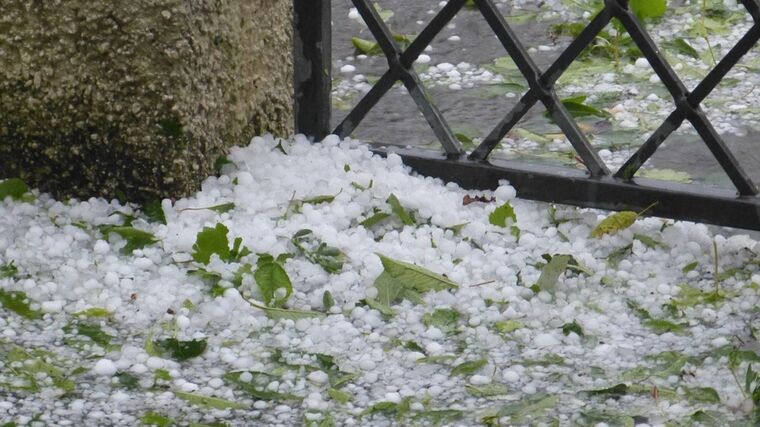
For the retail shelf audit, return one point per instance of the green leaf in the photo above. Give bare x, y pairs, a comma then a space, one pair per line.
445, 319
97, 312
708, 418
224, 207
550, 273
402, 280
397, 409
488, 390
339, 379
439, 417
214, 241
531, 136
327, 301
736, 355
532, 408
691, 297
673, 365
257, 389
702, 395
750, 382
614, 258
609, 418
649, 242
661, 326
578, 108
270, 276
413, 346
468, 368
507, 326
18, 302
13, 188
209, 401
457, 228
136, 239
276, 313
442, 359
638, 309
330, 258
367, 47
209, 278
384, 309
616, 390
92, 331
389, 290
154, 211
128, 380
405, 216
548, 360
463, 138
385, 14
339, 395
238, 251
320, 199
29, 364
648, 8
221, 162
375, 219
501, 214
211, 241
162, 374
239, 276
416, 278
567, 328
665, 175
155, 419
181, 350
8, 270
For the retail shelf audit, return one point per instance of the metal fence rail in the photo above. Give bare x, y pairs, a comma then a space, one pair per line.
598, 186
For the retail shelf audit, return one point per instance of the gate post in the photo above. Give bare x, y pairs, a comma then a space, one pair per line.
312, 60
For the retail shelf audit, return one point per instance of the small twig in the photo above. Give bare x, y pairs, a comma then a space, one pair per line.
482, 284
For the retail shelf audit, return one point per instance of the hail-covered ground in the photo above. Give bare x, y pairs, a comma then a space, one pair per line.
407, 302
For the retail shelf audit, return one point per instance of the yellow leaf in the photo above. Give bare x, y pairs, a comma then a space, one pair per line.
614, 223
618, 221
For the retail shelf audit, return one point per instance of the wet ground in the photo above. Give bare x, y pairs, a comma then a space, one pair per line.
472, 112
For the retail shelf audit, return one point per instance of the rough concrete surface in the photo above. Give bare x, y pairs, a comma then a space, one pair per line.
137, 99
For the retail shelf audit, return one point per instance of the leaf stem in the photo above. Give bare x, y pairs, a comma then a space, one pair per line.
704, 32
716, 266
738, 383
647, 208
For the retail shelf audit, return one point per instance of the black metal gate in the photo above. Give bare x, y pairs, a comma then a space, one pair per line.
597, 187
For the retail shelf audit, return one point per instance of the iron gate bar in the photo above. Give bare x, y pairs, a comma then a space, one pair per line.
551, 75
678, 91
545, 93
534, 181
703, 89
700, 92
409, 77
554, 184
412, 52
312, 63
